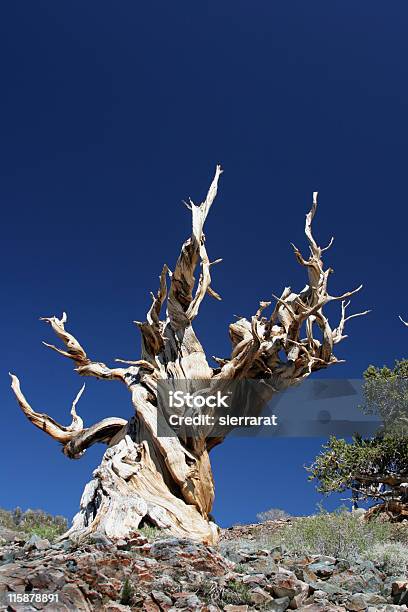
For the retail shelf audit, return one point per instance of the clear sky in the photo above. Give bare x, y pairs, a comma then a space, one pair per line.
111, 114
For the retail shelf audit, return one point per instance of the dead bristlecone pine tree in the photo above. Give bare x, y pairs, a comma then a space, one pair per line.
166, 480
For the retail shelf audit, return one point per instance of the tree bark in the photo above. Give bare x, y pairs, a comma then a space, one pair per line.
166, 480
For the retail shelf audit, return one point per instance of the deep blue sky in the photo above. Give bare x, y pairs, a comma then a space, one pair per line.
111, 114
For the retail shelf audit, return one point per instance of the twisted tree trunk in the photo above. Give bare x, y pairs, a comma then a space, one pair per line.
166, 480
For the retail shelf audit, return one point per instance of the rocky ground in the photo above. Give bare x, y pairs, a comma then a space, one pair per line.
173, 575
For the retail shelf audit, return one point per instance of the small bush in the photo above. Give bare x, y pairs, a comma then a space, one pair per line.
34, 522
50, 532
126, 597
274, 514
391, 557
234, 592
240, 568
6, 519
339, 534
149, 531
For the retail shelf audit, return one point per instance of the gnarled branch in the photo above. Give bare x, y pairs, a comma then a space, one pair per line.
257, 346
182, 306
152, 328
84, 365
74, 438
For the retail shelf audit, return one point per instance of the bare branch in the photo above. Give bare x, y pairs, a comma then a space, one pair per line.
152, 329
345, 295
103, 432
141, 363
338, 332
73, 437
308, 226
182, 306
43, 421
77, 423
85, 366
263, 342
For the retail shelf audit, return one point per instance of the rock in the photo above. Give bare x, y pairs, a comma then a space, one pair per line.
374, 599
399, 592
278, 605
328, 587
398, 587
101, 539
31, 542
137, 540
46, 579
162, 599
324, 559
350, 581
190, 601
319, 596
72, 565
178, 551
315, 607
165, 583
68, 545
232, 608
283, 571
235, 556
356, 603
42, 544
263, 565
387, 608
7, 557
254, 579
306, 574
38, 543
289, 586
299, 599
9, 535
149, 605
73, 598
259, 597
321, 569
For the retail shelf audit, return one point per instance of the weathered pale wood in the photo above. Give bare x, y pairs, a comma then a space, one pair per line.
167, 480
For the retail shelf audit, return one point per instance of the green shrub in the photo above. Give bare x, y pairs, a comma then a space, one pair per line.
34, 522
6, 519
149, 531
234, 592
274, 514
50, 532
126, 597
391, 557
339, 534
365, 465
